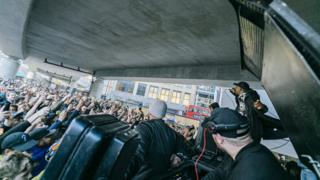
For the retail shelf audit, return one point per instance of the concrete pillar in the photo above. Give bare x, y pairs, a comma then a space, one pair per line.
181, 97
8, 67
170, 95
98, 88
147, 91
193, 95
197, 97
135, 89
217, 95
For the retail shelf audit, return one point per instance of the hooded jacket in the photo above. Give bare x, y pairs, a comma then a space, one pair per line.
261, 124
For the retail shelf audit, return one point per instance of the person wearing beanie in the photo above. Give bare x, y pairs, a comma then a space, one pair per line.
158, 144
157, 110
231, 133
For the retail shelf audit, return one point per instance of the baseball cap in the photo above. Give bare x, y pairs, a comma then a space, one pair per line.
19, 141
243, 85
158, 109
228, 123
39, 133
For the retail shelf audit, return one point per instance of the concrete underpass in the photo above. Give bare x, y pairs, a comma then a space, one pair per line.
272, 45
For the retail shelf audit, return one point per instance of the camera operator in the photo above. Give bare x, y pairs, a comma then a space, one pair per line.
250, 159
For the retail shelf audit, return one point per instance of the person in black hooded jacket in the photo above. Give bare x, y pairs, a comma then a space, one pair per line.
158, 143
249, 105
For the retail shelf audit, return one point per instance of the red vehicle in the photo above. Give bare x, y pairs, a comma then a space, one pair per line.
196, 112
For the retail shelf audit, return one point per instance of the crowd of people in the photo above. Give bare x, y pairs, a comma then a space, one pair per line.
33, 119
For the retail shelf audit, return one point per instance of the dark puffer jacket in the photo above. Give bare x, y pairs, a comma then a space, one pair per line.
158, 142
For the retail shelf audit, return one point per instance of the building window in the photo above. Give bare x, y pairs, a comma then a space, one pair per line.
186, 99
201, 95
175, 98
141, 89
153, 92
164, 95
125, 86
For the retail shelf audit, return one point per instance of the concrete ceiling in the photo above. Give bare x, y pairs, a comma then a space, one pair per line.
104, 34
132, 38
126, 38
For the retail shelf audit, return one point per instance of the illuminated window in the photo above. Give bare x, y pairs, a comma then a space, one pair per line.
175, 98
164, 95
186, 99
125, 86
153, 92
